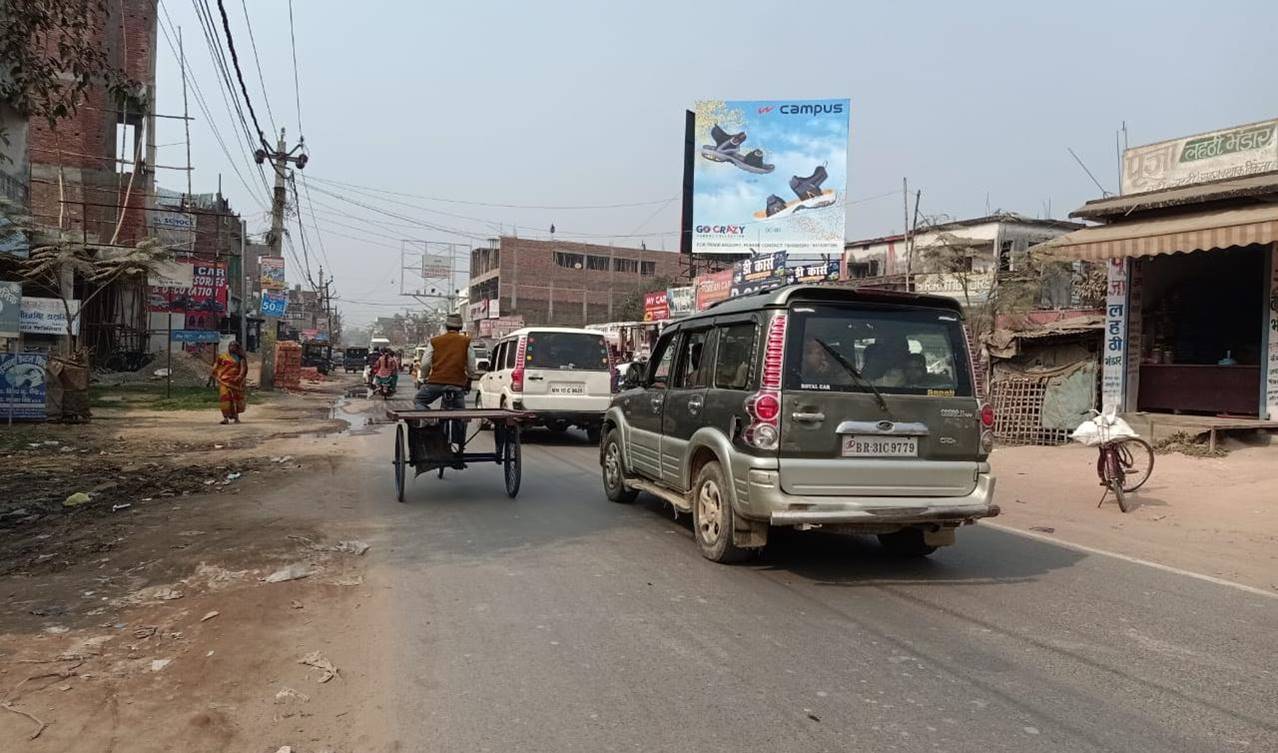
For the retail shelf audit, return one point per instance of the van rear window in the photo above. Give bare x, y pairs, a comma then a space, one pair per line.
899, 351
577, 351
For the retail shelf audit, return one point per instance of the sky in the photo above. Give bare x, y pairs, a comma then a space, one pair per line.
580, 104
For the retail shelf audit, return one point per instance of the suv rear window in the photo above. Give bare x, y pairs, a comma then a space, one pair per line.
899, 351
566, 350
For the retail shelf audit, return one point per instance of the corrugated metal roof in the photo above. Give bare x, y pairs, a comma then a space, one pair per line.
1183, 233
1115, 207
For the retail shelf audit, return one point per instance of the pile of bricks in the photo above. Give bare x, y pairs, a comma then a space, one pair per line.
311, 374
288, 364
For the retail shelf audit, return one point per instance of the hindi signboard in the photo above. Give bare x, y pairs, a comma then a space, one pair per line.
1228, 153
22, 385
758, 273
769, 176
47, 316
10, 308
814, 271
1114, 360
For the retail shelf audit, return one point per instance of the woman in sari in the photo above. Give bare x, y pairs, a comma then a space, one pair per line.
231, 373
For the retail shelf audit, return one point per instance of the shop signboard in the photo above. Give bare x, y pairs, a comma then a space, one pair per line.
271, 274
1271, 335
769, 175
711, 288
10, 306
1229, 153
814, 271
274, 304
207, 293
494, 308
477, 310
679, 301
195, 336
1114, 361
759, 273
656, 306
501, 326
22, 384
47, 316
1135, 325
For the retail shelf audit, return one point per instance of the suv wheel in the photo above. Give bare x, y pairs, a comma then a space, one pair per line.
907, 542
614, 482
712, 516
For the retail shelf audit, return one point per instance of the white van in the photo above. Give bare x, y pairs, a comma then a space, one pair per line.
563, 375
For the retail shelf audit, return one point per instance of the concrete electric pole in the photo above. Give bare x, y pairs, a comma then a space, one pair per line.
279, 158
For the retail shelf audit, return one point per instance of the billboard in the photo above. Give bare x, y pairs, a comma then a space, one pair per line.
815, 271
271, 273
711, 288
679, 301
769, 175
759, 273
1229, 153
274, 303
656, 306
206, 294
22, 380
437, 266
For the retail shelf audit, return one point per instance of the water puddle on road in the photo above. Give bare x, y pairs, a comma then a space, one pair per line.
359, 419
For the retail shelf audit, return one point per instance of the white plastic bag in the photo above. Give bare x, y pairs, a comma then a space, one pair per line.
1102, 427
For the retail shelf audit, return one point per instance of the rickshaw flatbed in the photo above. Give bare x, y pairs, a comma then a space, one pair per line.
431, 440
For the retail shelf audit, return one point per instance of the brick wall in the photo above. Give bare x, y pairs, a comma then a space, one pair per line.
530, 264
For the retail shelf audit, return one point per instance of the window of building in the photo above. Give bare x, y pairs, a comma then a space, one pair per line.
597, 263
569, 261
648, 268
629, 266
1005, 256
736, 353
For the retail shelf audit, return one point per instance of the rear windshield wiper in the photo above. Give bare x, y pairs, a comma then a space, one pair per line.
851, 369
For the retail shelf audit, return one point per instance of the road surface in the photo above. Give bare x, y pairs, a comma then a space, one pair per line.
562, 622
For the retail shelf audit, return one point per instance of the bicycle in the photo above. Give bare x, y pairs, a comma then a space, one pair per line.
1124, 462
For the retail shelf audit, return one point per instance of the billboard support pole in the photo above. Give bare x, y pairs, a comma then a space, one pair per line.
168, 371
689, 165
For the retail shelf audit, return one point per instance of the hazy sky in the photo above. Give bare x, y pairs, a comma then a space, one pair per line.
581, 103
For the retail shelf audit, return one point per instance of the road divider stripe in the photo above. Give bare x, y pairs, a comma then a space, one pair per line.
1127, 558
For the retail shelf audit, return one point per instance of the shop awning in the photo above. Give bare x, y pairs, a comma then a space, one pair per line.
1183, 233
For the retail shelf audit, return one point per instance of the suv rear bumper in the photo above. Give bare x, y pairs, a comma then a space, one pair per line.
872, 512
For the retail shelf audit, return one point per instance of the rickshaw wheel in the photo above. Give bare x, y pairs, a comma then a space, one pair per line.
511, 461
401, 462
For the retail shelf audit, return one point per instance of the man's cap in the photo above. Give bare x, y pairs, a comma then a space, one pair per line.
453, 321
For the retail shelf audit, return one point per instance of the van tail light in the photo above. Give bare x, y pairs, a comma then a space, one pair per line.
987, 416
764, 406
517, 376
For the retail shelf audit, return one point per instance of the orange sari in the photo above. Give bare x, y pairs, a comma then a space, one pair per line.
231, 373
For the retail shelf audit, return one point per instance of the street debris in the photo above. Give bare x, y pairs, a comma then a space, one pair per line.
295, 604
285, 749
117, 508
292, 572
351, 547
159, 664
75, 500
233, 476
288, 694
1043, 529
319, 661
210, 616
144, 632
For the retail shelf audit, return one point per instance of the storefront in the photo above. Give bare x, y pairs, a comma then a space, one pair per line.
1191, 322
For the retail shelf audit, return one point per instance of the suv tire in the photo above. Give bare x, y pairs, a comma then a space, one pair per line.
712, 516
907, 542
614, 473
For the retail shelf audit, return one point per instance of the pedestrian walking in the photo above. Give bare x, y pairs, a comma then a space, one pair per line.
231, 373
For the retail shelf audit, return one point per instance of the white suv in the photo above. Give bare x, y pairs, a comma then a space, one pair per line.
563, 375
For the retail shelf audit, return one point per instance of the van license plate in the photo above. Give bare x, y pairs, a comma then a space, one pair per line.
567, 388
869, 446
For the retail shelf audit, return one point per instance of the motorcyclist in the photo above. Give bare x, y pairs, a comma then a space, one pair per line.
449, 364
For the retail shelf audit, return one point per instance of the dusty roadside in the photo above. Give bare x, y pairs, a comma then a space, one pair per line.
178, 622
1212, 515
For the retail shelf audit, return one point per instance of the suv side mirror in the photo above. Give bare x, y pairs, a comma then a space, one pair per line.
634, 376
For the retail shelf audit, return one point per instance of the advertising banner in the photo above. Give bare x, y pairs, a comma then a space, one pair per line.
206, 294
478, 310
815, 271
22, 385
437, 266
171, 274
758, 273
271, 275
770, 176
1229, 153
47, 316
711, 288
274, 304
195, 336
679, 301
10, 306
501, 326
174, 228
656, 306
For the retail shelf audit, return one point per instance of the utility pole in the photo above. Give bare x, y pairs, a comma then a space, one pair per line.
279, 158
909, 252
244, 288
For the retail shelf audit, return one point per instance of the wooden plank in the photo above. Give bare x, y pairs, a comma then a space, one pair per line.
464, 414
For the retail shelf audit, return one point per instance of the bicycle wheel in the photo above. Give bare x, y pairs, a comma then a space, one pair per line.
1117, 487
1136, 457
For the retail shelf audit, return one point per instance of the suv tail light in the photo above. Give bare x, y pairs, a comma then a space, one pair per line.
987, 416
517, 376
764, 406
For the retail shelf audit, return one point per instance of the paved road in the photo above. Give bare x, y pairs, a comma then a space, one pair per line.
562, 622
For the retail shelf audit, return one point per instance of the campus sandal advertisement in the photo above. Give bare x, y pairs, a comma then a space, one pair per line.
770, 175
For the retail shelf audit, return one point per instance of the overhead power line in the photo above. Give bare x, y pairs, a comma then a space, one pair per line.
258, 62
441, 199
239, 75
297, 86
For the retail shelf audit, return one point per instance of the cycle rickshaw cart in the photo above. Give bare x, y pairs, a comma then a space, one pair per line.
422, 442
